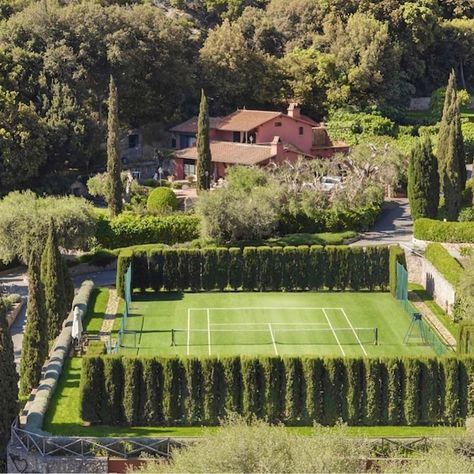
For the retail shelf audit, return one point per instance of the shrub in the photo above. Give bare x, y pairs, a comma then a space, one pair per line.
162, 200
130, 229
440, 231
293, 390
95, 348
13, 298
466, 215
442, 260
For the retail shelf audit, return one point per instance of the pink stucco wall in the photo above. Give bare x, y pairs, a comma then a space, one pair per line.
288, 132
178, 168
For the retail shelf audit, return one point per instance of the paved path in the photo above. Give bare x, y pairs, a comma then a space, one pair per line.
15, 281
393, 226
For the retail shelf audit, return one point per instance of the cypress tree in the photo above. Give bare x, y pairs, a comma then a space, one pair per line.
275, 387
35, 340
396, 390
68, 286
196, 388
92, 390
423, 181
214, 376
356, 397
452, 167
234, 384
113, 393
315, 377
153, 391
203, 171
295, 391
9, 381
53, 281
114, 165
133, 396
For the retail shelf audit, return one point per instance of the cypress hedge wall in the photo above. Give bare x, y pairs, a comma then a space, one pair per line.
296, 391
258, 268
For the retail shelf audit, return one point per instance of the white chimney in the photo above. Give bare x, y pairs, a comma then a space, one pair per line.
276, 147
294, 110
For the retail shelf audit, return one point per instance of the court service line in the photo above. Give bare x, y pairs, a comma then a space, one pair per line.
353, 330
189, 332
275, 324
262, 307
273, 338
334, 332
209, 330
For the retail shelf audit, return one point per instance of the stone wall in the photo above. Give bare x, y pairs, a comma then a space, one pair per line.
421, 271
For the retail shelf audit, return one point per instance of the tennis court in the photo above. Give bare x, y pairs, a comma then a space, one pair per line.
351, 324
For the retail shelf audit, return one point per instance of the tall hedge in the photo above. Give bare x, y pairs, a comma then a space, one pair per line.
258, 268
191, 391
397, 255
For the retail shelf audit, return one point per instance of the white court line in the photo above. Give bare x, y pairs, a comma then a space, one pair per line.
353, 330
274, 324
334, 332
273, 338
236, 308
209, 330
189, 332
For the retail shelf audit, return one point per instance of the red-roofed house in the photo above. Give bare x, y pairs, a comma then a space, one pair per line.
253, 137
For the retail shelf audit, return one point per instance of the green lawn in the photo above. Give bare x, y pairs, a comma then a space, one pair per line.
286, 324
96, 310
63, 418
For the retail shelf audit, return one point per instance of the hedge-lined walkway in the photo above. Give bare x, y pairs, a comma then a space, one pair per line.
110, 314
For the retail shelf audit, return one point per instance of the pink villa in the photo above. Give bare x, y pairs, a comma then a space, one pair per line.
253, 137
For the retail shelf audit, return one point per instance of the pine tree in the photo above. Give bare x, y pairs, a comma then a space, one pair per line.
423, 181
35, 341
452, 168
203, 172
53, 280
9, 382
114, 168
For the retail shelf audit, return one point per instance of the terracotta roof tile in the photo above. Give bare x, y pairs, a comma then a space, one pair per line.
190, 126
246, 120
230, 152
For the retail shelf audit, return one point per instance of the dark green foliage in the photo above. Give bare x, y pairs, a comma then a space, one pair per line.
234, 384
152, 391
155, 269
140, 271
92, 390
295, 390
423, 181
175, 391
315, 384
254, 388
413, 391
35, 340
53, 283
275, 386
258, 268
235, 268
68, 286
113, 413
456, 387
395, 391
356, 396
162, 199
397, 255
337, 377
114, 160
376, 375
123, 262
196, 386
9, 378
209, 266
250, 271
203, 172
133, 396
452, 167
170, 270
215, 393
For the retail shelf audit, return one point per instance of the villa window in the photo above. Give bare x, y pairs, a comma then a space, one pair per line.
277, 124
133, 141
236, 137
301, 130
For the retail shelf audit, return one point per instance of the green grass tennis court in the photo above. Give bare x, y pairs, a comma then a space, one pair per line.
351, 324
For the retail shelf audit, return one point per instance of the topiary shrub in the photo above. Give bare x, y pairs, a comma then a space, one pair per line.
162, 200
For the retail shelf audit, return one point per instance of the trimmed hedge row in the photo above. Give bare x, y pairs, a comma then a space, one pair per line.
397, 255
444, 262
131, 229
156, 391
257, 268
440, 231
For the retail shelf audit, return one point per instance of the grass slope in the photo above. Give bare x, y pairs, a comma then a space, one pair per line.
96, 310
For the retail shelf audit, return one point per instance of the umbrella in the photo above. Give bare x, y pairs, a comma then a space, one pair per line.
77, 324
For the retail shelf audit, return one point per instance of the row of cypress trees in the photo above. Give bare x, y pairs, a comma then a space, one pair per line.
156, 391
258, 268
50, 295
428, 174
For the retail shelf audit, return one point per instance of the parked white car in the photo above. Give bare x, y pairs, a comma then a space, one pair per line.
329, 182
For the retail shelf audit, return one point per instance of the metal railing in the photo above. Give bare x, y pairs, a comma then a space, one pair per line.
122, 447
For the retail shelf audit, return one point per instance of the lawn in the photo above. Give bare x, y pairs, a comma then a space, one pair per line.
96, 310
63, 419
353, 324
